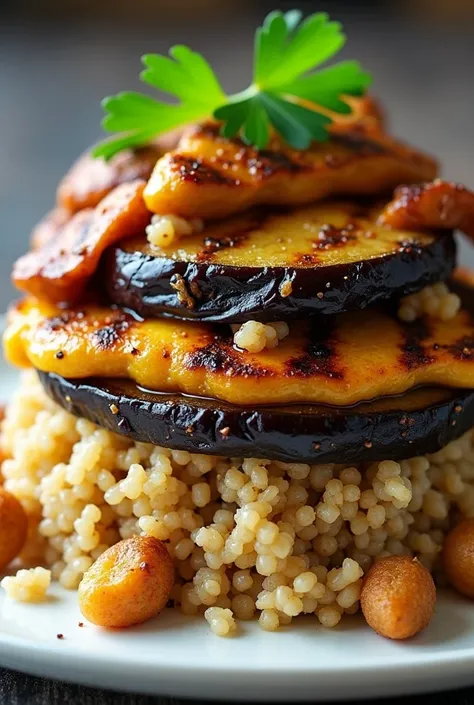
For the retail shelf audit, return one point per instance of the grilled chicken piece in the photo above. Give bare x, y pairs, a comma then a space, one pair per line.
366, 111
68, 255
89, 180
339, 361
209, 176
49, 227
441, 204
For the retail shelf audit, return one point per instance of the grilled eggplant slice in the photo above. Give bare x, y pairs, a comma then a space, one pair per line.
208, 176
418, 422
267, 265
336, 360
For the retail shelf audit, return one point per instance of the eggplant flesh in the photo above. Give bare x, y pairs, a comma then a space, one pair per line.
421, 421
339, 361
270, 265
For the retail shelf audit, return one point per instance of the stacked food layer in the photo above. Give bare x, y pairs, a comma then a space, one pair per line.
260, 357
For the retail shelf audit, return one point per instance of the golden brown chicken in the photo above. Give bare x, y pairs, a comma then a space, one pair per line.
49, 227
69, 253
89, 179
440, 204
209, 176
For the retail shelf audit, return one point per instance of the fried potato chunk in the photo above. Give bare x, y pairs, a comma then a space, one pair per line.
13, 528
398, 597
128, 584
440, 204
458, 557
208, 176
59, 269
463, 277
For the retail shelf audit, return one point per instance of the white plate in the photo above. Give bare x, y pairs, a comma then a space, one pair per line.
179, 656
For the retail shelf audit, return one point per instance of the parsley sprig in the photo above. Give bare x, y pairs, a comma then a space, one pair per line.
287, 94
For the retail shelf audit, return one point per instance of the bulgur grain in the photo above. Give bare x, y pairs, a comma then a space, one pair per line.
27, 585
255, 337
246, 536
435, 301
164, 230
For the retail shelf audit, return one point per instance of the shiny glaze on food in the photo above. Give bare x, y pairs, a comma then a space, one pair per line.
417, 422
268, 264
208, 176
67, 258
351, 358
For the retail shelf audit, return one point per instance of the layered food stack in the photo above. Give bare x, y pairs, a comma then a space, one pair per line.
260, 357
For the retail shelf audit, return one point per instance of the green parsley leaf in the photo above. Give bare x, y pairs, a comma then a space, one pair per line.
299, 126
288, 50
326, 86
186, 75
284, 51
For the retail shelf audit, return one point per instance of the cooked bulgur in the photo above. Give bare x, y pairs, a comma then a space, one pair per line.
27, 585
255, 337
164, 230
435, 301
251, 537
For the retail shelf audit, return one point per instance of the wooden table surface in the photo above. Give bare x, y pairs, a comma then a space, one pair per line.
51, 81
20, 689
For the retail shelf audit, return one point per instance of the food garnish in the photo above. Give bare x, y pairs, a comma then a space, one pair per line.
287, 94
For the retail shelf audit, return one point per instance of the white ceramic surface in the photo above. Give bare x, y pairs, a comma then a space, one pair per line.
179, 656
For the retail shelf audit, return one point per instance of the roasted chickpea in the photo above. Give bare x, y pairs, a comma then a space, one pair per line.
458, 557
398, 597
128, 583
13, 527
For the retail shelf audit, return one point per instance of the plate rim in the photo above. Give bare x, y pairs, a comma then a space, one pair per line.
406, 672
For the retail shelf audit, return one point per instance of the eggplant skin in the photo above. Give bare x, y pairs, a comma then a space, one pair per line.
421, 421
146, 284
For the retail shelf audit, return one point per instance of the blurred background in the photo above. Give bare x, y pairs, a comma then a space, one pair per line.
58, 58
